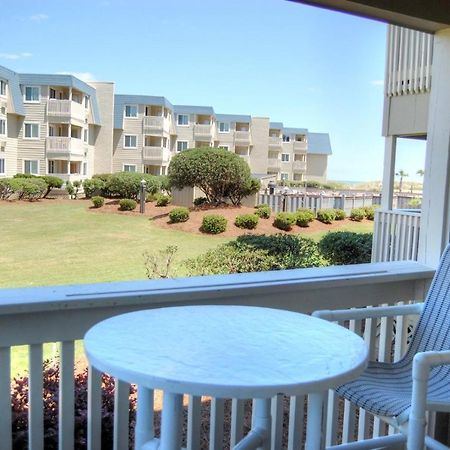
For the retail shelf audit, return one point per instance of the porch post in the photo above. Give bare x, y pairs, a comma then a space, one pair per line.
434, 232
387, 193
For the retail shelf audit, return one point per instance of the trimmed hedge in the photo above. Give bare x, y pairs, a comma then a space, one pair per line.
213, 224
345, 247
304, 217
326, 215
163, 200
180, 214
97, 201
52, 183
340, 214
247, 221
263, 211
369, 211
357, 214
93, 187
285, 221
127, 204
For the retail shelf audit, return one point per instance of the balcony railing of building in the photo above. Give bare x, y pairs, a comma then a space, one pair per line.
299, 166
275, 142
65, 145
409, 57
242, 137
156, 154
203, 130
300, 146
65, 109
155, 123
63, 314
274, 163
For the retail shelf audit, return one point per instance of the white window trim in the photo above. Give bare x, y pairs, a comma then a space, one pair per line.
6, 126
31, 160
129, 135
25, 94
224, 132
179, 125
129, 165
288, 158
131, 117
32, 138
4, 166
6, 88
176, 148
287, 176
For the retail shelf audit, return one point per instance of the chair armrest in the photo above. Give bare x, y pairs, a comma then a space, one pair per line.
368, 313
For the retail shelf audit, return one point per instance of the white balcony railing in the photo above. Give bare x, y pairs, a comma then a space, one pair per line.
63, 314
65, 109
275, 141
156, 154
242, 136
203, 130
396, 235
299, 166
65, 145
300, 146
156, 123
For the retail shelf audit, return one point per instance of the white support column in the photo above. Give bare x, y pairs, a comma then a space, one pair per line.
387, 194
435, 206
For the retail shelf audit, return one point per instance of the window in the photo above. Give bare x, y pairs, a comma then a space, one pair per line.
131, 111
224, 127
86, 101
224, 147
284, 176
130, 141
183, 120
31, 131
2, 87
51, 167
2, 126
31, 166
85, 168
2, 165
182, 145
129, 167
52, 93
32, 94
85, 135
285, 157
286, 138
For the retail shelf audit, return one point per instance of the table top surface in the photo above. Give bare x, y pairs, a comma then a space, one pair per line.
226, 351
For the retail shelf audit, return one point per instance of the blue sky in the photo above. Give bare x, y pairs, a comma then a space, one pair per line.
300, 65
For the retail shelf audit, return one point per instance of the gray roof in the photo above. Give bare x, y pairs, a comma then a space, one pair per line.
233, 118
276, 125
14, 89
319, 144
188, 109
295, 131
63, 80
121, 100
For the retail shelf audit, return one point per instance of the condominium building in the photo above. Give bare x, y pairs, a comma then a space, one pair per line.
58, 124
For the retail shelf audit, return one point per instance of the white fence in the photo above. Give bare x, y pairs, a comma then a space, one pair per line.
63, 314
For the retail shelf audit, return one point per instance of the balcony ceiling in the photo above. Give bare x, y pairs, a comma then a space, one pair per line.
429, 16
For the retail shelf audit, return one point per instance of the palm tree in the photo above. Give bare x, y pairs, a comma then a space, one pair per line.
420, 172
402, 174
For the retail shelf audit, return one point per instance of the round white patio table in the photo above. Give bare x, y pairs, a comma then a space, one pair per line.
225, 352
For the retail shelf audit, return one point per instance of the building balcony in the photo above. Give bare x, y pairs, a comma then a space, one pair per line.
155, 155
203, 131
299, 166
242, 137
64, 111
3, 105
300, 146
62, 145
275, 142
273, 163
155, 124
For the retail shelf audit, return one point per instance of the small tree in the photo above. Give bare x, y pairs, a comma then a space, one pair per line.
220, 174
52, 183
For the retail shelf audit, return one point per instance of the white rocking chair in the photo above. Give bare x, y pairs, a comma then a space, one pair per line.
401, 392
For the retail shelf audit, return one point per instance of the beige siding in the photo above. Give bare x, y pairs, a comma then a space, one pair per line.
260, 144
10, 149
316, 168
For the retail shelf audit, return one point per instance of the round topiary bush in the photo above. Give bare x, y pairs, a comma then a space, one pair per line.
304, 217
339, 214
248, 221
98, 201
357, 214
326, 215
214, 224
180, 214
163, 200
285, 221
127, 204
345, 247
263, 211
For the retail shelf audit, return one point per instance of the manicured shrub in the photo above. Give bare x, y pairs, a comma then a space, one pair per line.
30, 188
93, 187
304, 217
127, 204
326, 215
97, 201
284, 221
213, 224
247, 221
263, 211
52, 183
369, 211
24, 175
357, 214
150, 198
163, 200
313, 184
128, 184
200, 201
179, 215
8, 187
339, 214
345, 247
256, 253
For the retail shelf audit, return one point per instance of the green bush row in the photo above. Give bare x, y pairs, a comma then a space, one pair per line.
28, 187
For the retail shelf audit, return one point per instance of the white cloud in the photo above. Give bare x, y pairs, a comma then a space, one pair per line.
377, 82
15, 55
85, 76
38, 17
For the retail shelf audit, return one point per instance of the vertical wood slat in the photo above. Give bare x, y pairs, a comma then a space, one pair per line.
276, 410
35, 400
194, 422
237, 421
66, 418
5, 398
121, 414
216, 424
94, 419
296, 422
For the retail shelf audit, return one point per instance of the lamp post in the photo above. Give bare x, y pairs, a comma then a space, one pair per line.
285, 194
142, 197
